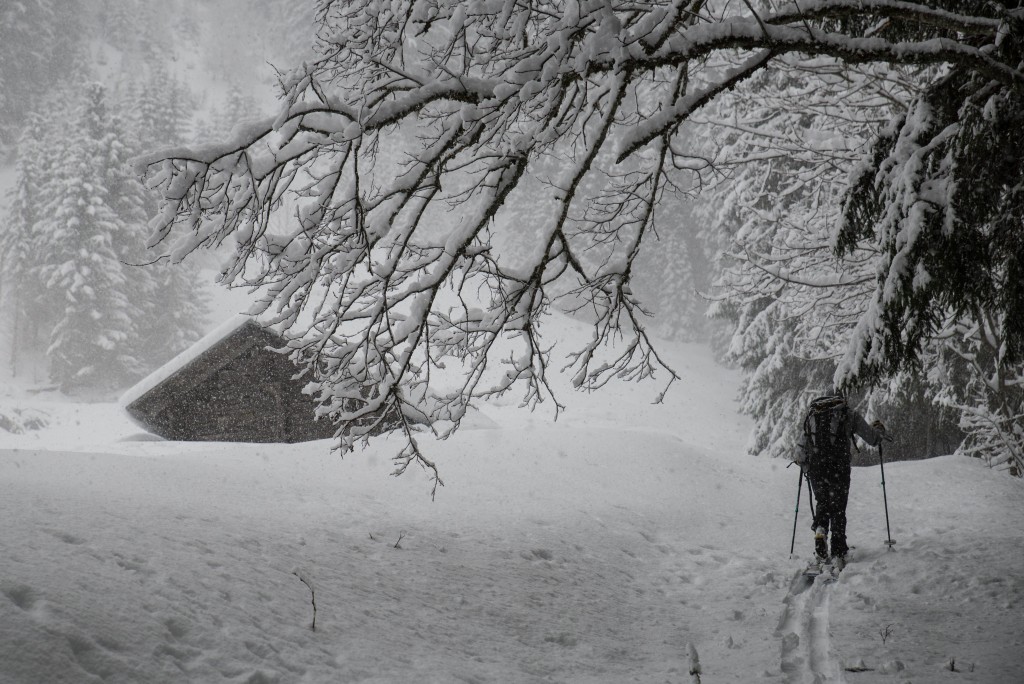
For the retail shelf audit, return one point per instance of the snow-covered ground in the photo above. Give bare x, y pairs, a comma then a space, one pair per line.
594, 549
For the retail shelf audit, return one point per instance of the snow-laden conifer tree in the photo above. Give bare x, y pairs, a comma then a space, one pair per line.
91, 344
673, 275
783, 144
238, 108
941, 193
37, 45
20, 242
388, 270
173, 310
25, 33
160, 109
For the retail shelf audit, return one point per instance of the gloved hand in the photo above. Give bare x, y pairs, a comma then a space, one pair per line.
880, 428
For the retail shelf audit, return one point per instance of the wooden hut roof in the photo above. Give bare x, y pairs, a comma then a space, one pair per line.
230, 385
189, 368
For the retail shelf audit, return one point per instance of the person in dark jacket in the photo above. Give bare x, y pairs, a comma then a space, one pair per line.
829, 479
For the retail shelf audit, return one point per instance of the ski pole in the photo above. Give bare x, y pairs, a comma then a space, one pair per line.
885, 499
796, 513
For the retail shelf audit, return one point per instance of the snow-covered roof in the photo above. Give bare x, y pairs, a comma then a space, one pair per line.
161, 374
232, 385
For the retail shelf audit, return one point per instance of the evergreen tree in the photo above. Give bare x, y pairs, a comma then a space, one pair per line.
38, 44
127, 198
174, 309
792, 304
88, 343
160, 110
942, 195
91, 343
25, 34
19, 242
239, 107
167, 304
672, 276
176, 312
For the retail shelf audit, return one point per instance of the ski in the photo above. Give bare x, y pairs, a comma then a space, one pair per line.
829, 570
815, 568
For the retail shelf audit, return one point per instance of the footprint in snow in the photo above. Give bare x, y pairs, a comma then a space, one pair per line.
135, 564
67, 537
20, 595
563, 639
177, 628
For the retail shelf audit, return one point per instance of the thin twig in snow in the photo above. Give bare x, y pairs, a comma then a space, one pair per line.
312, 595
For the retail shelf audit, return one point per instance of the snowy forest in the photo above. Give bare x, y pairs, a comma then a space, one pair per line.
574, 270
827, 193
86, 305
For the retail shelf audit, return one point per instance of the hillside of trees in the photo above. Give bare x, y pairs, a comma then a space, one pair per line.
85, 304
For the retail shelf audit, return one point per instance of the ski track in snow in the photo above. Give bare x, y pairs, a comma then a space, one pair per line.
807, 654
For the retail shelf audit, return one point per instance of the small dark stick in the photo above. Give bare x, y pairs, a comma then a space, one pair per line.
400, 536
312, 595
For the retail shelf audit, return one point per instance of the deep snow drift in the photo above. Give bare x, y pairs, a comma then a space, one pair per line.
594, 549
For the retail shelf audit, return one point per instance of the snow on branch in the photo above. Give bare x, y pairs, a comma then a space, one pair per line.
836, 280
889, 9
451, 172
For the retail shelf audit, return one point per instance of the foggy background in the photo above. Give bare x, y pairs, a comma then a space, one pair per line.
85, 85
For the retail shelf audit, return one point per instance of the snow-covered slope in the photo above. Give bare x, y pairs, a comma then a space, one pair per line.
594, 549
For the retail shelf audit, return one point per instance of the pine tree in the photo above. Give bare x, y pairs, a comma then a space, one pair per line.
25, 33
19, 242
91, 343
87, 344
176, 312
160, 110
792, 304
942, 195
174, 309
671, 277
36, 47
239, 107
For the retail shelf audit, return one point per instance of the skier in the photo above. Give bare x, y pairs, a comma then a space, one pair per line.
825, 445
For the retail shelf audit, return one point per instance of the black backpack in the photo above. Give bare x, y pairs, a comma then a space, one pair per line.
826, 431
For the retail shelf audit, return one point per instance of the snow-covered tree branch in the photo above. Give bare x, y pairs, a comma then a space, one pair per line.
406, 149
